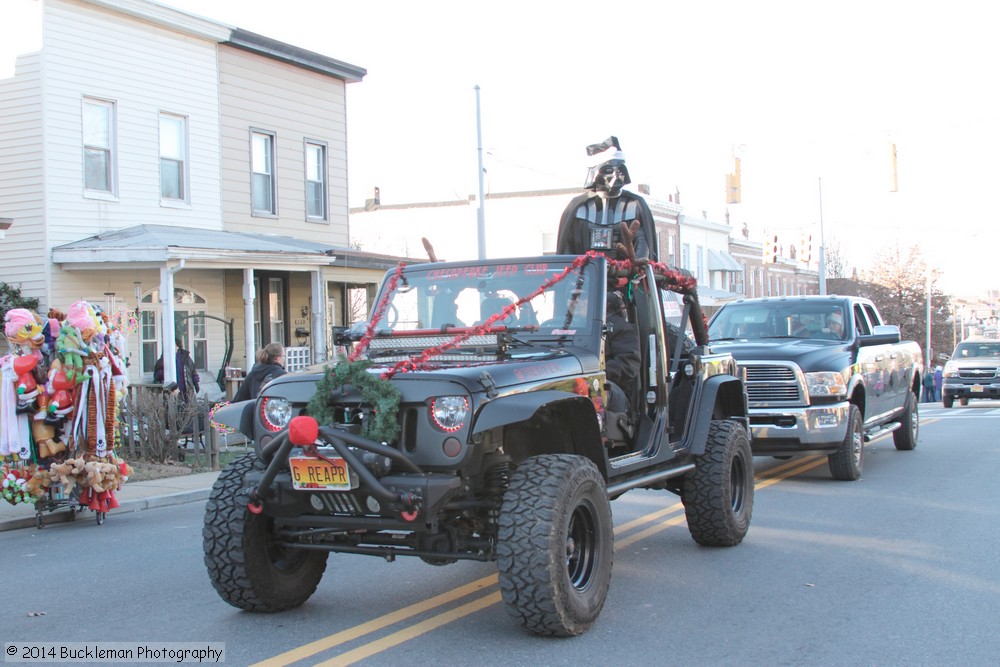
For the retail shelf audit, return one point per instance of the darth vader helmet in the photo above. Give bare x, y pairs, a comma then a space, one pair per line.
607, 171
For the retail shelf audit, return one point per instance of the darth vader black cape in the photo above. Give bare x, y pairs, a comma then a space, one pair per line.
574, 233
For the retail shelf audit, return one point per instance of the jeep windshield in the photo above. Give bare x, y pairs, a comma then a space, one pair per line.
532, 298
779, 318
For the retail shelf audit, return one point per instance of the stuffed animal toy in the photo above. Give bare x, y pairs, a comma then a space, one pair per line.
44, 434
81, 316
60, 391
27, 386
70, 472
72, 350
24, 327
14, 487
39, 482
50, 332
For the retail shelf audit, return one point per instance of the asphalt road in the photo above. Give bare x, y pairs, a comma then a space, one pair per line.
898, 568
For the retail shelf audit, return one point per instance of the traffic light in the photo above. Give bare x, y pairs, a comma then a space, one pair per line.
805, 248
733, 194
769, 251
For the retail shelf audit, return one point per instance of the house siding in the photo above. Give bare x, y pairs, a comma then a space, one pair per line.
96, 53
22, 193
295, 104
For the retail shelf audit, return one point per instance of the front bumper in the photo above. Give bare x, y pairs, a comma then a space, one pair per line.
798, 429
969, 389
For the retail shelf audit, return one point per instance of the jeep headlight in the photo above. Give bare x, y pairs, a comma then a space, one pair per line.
449, 412
826, 384
275, 413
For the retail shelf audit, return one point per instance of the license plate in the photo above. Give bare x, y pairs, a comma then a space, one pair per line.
309, 474
976, 389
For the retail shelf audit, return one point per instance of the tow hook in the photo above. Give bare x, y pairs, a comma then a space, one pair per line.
411, 500
255, 505
410, 516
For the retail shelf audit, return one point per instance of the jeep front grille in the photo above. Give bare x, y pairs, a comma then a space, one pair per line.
770, 384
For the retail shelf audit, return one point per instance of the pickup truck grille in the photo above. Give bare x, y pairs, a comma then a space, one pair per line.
771, 384
977, 373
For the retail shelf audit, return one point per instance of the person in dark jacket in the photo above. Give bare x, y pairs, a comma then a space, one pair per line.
621, 354
187, 375
267, 368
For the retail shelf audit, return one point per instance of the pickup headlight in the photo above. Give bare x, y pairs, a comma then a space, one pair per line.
826, 384
950, 370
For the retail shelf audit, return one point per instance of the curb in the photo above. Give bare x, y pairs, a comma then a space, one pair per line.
65, 516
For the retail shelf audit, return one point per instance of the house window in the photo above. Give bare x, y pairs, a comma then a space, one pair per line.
262, 167
173, 157
686, 256
190, 327
99, 146
315, 181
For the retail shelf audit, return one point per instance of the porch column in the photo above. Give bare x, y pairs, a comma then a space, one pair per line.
318, 310
248, 336
167, 330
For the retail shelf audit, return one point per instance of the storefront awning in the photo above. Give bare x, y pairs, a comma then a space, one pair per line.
720, 260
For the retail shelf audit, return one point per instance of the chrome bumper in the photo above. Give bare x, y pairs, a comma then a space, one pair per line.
798, 429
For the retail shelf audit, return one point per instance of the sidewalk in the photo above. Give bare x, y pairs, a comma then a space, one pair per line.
133, 496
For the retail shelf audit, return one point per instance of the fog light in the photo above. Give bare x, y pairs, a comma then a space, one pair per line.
826, 420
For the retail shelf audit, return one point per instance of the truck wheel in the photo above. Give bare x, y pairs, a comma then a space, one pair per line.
846, 463
718, 494
555, 544
905, 437
247, 567
947, 401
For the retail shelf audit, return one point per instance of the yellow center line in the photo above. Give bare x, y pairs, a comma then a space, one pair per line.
765, 479
357, 631
406, 634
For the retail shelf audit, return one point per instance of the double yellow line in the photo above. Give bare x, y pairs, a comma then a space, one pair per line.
661, 520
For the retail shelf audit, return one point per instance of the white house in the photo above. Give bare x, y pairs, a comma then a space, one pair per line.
185, 170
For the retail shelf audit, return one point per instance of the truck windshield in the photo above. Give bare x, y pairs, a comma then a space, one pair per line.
819, 320
527, 295
970, 349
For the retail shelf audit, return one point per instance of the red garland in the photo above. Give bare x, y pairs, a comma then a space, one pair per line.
422, 359
377, 316
675, 282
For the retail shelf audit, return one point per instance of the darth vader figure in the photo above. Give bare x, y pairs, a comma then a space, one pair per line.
592, 220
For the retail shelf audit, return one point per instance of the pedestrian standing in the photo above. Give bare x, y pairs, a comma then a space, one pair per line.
928, 384
938, 378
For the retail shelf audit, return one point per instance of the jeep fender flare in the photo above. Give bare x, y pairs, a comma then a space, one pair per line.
515, 409
721, 397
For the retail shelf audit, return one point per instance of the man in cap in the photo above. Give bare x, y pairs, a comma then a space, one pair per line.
835, 323
593, 220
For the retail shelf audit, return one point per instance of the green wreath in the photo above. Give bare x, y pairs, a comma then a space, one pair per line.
377, 392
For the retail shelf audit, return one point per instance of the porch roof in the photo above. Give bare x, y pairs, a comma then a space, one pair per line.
152, 246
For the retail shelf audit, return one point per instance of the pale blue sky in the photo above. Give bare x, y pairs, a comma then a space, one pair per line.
802, 89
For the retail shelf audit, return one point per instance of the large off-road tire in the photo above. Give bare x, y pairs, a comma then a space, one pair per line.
718, 494
247, 568
905, 437
555, 544
947, 401
848, 461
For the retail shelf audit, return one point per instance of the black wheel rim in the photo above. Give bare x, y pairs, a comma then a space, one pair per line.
737, 482
581, 547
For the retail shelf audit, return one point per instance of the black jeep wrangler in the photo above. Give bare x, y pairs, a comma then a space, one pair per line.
470, 424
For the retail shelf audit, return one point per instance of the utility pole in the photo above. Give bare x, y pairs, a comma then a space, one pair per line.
928, 366
481, 212
822, 248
